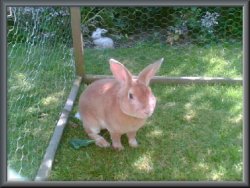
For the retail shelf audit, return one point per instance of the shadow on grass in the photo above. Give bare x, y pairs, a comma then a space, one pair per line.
194, 134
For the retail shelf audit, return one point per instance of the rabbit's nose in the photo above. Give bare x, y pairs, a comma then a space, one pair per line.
147, 112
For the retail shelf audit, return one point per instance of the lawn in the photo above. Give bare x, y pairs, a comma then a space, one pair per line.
39, 81
222, 60
194, 134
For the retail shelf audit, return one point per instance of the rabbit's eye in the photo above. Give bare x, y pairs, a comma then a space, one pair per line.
130, 95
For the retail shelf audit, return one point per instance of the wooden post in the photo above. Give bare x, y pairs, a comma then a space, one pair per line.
77, 40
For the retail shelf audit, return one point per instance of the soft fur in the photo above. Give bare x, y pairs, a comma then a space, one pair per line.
100, 41
120, 105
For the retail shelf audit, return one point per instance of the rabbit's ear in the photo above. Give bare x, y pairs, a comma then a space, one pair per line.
120, 72
147, 73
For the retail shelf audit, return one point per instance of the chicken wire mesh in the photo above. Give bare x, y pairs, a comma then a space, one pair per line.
145, 34
40, 75
41, 64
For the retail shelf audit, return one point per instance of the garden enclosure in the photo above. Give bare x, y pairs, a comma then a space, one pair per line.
43, 50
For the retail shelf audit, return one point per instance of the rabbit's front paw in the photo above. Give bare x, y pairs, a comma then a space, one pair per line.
118, 146
102, 143
133, 143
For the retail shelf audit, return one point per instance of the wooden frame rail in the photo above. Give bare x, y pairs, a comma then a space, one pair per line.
175, 80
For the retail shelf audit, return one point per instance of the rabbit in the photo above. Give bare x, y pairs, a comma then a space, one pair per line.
102, 42
120, 105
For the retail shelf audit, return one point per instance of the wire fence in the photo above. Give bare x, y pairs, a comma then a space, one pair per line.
41, 63
144, 34
40, 75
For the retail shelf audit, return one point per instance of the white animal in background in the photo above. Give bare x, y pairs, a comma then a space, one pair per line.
102, 42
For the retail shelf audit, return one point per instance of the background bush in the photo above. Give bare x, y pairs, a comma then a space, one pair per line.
124, 23
48, 23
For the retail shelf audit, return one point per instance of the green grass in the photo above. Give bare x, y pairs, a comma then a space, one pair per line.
194, 134
39, 81
222, 60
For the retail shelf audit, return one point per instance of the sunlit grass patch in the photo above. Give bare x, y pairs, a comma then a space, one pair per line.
190, 137
195, 132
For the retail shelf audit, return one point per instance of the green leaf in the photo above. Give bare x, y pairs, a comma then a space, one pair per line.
77, 143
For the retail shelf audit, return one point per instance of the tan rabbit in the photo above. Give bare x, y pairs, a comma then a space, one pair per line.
120, 105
